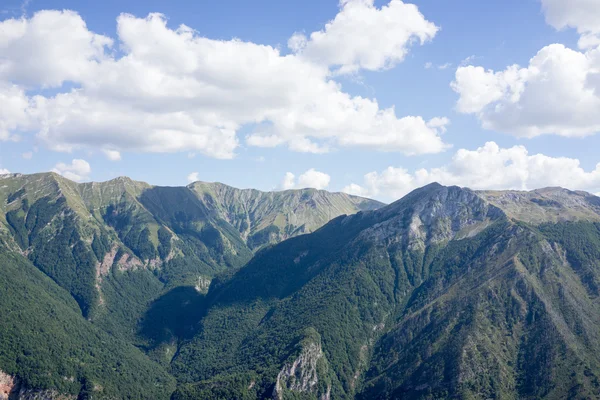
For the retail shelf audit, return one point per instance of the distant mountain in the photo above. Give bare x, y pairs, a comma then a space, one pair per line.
183, 233
446, 293
269, 217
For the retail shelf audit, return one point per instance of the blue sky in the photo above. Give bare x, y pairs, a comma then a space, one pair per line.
469, 34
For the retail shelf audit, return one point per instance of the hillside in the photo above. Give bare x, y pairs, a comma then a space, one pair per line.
47, 350
117, 248
183, 235
269, 217
447, 293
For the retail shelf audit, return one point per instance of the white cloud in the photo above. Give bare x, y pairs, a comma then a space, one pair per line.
309, 179
78, 170
557, 93
314, 179
28, 155
289, 181
583, 15
468, 60
4, 171
429, 65
14, 110
173, 90
488, 167
50, 48
362, 36
112, 155
193, 177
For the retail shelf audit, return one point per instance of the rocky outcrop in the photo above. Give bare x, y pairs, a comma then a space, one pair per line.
301, 375
202, 284
432, 215
12, 389
128, 262
7, 385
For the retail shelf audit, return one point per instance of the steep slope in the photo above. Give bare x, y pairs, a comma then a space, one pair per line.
443, 294
270, 217
79, 234
47, 349
132, 255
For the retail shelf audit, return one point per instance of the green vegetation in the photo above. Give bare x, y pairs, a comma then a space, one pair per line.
48, 345
446, 293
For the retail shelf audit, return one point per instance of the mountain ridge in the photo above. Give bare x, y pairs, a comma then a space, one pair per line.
414, 300
446, 293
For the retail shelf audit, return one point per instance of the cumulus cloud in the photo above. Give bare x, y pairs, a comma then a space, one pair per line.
488, 167
172, 90
583, 15
14, 110
4, 171
193, 177
289, 181
557, 93
50, 48
309, 179
362, 36
77, 171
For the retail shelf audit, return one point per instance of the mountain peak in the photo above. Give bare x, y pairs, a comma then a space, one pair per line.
432, 214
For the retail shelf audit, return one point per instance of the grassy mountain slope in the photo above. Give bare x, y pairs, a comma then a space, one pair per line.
442, 294
269, 217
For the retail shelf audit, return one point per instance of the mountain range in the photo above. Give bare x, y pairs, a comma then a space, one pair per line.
126, 290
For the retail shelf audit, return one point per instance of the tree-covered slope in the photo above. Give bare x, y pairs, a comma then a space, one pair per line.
439, 295
46, 345
446, 293
125, 251
90, 238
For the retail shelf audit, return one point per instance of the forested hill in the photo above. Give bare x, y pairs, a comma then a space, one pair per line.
445, 293
76, 233
115, 247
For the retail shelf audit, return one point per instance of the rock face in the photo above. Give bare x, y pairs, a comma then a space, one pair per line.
432, 215
10, 389
301, 375
7, 385
202, 284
